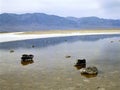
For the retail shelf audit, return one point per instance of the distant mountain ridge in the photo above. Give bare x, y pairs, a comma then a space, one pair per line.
41, 21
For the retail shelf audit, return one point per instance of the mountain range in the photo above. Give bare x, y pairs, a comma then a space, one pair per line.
39, 21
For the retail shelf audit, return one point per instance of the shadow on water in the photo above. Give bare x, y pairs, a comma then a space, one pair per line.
40, 43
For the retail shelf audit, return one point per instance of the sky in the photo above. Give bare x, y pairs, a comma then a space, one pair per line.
109, 9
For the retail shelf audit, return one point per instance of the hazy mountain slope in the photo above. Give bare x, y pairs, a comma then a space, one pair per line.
41, 21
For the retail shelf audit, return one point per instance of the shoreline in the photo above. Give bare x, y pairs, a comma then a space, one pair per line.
15, 36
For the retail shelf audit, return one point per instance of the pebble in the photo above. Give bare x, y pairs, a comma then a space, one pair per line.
100, 88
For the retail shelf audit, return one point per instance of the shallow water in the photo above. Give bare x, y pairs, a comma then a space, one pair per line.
51, 70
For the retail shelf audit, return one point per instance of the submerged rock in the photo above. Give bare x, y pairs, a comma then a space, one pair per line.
11, 51
111, 41
33, 46
92, 70
67, 56
100, 88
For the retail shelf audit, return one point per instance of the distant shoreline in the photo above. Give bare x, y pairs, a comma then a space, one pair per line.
15, 36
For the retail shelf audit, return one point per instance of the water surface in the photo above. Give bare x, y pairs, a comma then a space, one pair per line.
51, 70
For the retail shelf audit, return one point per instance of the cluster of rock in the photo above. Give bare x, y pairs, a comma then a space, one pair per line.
81, 64
27, 59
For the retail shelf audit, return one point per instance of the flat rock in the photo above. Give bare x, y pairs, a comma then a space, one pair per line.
92, 70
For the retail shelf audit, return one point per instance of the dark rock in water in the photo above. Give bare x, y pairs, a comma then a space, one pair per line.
111, 41
81, 63
33, 46
89, 70
11, 51
67, 56
27, 59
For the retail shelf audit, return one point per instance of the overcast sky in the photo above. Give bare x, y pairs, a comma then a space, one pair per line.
76, 8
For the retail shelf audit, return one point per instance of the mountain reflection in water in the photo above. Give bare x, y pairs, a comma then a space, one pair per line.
39, 43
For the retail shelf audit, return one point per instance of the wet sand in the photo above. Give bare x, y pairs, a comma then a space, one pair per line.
51, 69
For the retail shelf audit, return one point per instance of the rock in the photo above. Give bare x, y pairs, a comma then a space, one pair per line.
26, 57
111, 41
100, 88
33, 46
81, 63
67, 56
11, 51
92, 70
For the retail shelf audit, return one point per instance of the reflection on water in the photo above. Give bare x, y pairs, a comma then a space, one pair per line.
40, 43
54, 60
89, 76
27, 62
79, 67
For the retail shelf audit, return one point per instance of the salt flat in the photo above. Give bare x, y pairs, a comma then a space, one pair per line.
14, 36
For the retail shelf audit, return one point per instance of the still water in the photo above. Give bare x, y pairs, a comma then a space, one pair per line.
51, 70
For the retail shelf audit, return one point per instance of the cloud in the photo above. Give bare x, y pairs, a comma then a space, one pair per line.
77, 8
48, 4
111, 5
111, 8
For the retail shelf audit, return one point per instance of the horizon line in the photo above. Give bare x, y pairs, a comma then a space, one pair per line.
59, 15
